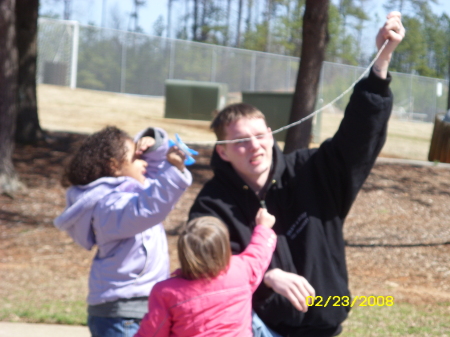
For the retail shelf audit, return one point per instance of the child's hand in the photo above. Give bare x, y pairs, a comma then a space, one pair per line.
143, 144
264, 218
176, 157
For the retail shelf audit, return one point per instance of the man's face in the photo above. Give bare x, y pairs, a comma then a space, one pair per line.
251, 159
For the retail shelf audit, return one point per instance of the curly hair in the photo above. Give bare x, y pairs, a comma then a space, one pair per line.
93, 159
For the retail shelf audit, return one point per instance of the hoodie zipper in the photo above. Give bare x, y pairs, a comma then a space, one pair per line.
262, 200
278, 261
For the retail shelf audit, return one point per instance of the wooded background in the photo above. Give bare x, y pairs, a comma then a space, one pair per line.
276, 26
314, 30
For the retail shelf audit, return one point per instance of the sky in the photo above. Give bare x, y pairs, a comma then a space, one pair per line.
101, 12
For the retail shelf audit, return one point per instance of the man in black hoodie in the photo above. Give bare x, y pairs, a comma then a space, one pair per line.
309, 192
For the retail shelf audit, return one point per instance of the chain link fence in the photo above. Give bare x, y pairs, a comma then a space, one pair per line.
110, 60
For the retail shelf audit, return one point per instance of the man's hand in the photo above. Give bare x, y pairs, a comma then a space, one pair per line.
292, 286
393, 31
143, 144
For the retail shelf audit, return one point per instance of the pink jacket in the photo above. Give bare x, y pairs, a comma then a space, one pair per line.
218, 307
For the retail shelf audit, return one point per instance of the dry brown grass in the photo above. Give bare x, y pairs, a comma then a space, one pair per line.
87, 111
406, 139
44, 274
81, 110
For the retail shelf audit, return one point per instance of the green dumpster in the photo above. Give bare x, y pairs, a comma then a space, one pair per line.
194, 99
276, 106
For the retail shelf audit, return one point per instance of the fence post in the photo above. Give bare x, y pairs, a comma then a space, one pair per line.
411, 107
123, 69
317, 128
253, 72
172, 59
288, 74
213, 65
74, 56
438, 94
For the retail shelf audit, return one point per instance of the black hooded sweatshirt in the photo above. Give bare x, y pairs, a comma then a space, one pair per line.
310, 193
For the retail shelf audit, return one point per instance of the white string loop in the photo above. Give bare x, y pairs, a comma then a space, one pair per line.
304, 118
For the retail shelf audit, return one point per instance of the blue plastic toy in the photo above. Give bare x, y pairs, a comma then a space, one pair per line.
183, 147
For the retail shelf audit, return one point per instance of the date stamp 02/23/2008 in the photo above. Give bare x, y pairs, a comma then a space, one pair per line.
347, 301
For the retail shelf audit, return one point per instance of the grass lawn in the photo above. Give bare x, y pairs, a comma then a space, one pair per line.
81, 110
400, 320
55, 293
45, 311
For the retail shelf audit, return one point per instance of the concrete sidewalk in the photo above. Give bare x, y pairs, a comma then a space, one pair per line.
8, 329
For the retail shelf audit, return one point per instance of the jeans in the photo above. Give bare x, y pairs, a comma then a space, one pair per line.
259, 329
113, 326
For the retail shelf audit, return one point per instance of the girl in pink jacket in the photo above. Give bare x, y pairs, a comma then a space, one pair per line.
211, 295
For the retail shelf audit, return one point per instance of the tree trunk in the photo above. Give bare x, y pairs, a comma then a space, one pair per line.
195, 24
8, 92
238, 30
268, 25
343, 10
169, 17
228, 22
67, 9
249, 16
186, 17
203, 29
28, 130
314, 42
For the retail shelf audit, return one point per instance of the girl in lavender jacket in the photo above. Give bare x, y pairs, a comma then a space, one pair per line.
212, 293
121, 192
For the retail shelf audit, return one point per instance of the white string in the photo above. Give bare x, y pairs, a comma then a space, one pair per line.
304, 118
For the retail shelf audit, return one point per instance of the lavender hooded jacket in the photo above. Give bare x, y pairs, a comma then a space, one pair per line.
123, 218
